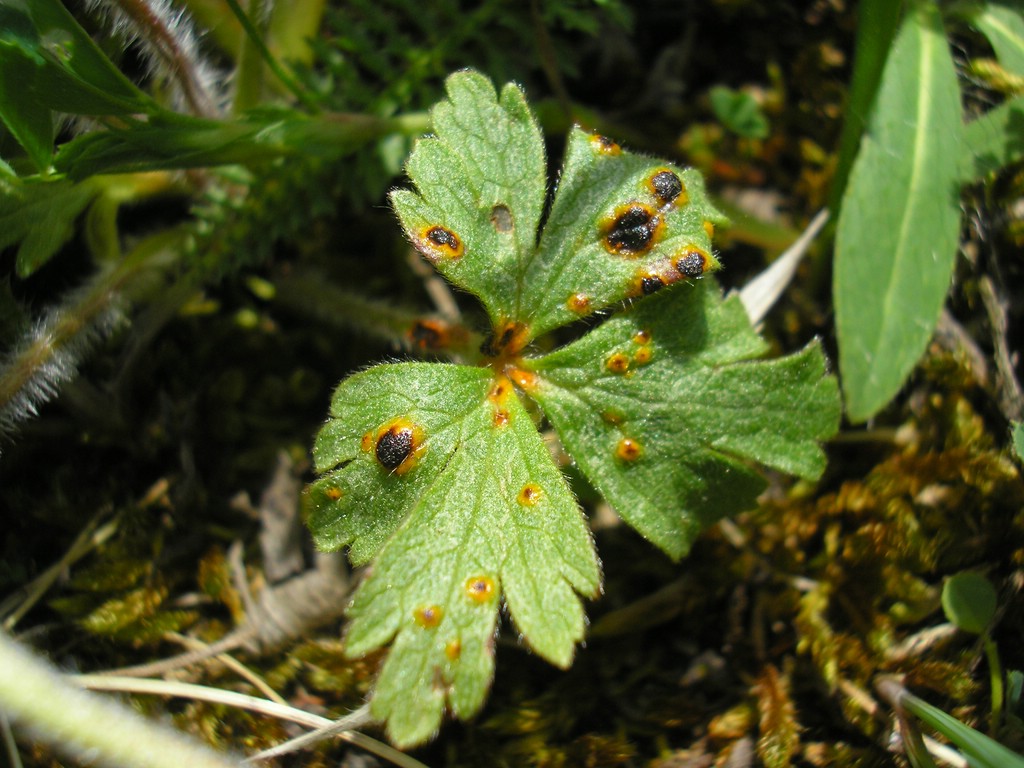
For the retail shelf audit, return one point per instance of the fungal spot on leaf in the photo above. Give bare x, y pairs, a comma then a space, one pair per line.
507, 339
428, 616
431, 334
333, 493
501, 418
579, 303
479, 588
632, 230
525, 380
651, 283
398, 445
604, 145
668, 188
453, 650
642, 356
628, 449
366, 443
499, 390
437, 243
692, 263
617, 363
530, 495
501, 218
614, 418
709, 228
642, 336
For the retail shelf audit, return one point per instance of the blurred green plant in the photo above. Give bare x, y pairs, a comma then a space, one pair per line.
905, 154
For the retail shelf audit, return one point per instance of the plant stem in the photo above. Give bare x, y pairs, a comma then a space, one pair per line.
88, 727
995, 672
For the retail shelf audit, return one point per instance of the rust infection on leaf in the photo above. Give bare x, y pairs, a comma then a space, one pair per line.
668, 188
578, 303
501, 418
453, 650
612, 417
525, 380
650, 284
642, 356
398, 444
501, 218
428, 616
530, 495
431, 334
642, 336
632, 229
604, 145
479, 589
628, 449
507, 340
437, 243
617, 363
333, 493
709, 228
692, 262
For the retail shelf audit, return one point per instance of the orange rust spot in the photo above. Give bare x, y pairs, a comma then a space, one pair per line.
428, 616
579, 303
628, 449
530, 495
604, 145
479, 588
501, 417
617, 363
437, 243
427, 333
366, 443
333, 493
709, 227
399, 443
453, 650
642, 356
525, 380
499, 390
642, 336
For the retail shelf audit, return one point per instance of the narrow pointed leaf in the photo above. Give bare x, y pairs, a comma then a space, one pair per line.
439, 472
661, 406
1003, 25
898, 230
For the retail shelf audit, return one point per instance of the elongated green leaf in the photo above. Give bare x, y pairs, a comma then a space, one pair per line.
660, 406
28, 119
439, 472
993, 141
898, 229
1003, 25
979, 749
40, 216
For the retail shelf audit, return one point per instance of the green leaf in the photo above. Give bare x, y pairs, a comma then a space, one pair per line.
739, 112
1017, 430
969, 601
979, 749
1003, 25
40, 217
660, 407
439, 473
619, 223
898, 230
993, 141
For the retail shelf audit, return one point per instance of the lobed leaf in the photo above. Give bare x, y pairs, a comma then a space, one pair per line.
660, 407
621, 225
899, 226
438, 472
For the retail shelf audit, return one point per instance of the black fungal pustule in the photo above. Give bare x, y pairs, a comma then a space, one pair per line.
394, 446
650, 284
504, 340
632, 230
691, 264
438, 242
667, 186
